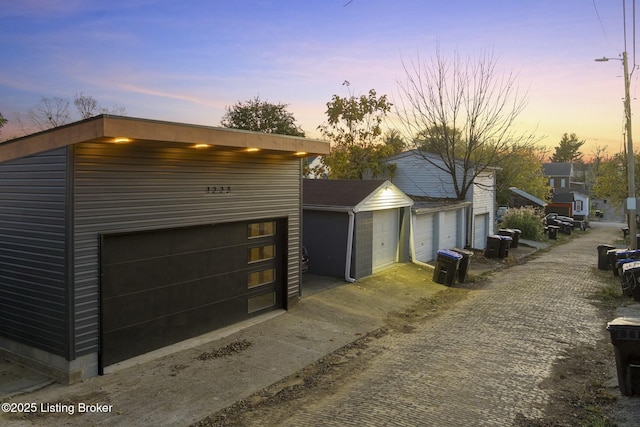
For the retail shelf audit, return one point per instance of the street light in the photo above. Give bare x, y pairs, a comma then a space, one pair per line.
631, 199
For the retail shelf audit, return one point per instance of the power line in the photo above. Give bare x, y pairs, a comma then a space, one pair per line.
604, 32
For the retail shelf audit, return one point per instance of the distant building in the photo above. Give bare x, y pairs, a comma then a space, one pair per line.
561, 177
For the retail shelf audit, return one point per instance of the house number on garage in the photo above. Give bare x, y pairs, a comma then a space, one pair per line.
218, 190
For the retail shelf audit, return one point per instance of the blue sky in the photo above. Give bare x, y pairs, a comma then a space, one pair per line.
186, 60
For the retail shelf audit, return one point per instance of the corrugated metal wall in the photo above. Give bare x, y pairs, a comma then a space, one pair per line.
33, 298
121, 188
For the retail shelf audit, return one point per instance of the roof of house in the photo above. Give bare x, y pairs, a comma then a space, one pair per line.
349, 194
528, 196
563, 197
113, 129
558, 169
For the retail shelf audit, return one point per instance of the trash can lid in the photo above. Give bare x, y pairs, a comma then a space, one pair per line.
506, 238
462, 252
628, 253
449, 253
629, 264
624, 261
624, 321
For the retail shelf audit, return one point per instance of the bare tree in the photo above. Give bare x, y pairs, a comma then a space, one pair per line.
469, 111
86, 105
54, 112
49, 113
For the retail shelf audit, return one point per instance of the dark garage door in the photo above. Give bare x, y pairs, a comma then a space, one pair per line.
160, 287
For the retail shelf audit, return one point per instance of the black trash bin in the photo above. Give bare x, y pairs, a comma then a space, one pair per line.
622, 255
613, 259
625, 337
516, 237
553, 231
510, 233
603, 259
629, 276
446, 266
505, 244
492, 250
463, 267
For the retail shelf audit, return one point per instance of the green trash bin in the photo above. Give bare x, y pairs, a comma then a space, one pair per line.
446, 266
625, 337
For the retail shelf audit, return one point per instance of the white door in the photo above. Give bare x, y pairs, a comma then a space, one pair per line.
423, 237
386, 231
480, 232
449, 230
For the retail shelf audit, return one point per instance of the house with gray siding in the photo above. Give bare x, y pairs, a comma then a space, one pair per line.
354, 228
440, 220
119, 236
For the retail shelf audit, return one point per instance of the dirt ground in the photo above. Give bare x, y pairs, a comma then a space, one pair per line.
578, 386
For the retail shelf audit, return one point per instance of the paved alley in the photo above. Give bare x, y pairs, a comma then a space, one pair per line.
480, 363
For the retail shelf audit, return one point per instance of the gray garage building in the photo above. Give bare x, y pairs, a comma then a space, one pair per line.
353, 228
119, 236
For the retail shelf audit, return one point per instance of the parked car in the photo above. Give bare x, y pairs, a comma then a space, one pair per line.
500, 213
304, 260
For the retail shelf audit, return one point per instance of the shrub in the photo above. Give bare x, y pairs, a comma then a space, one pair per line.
527, 220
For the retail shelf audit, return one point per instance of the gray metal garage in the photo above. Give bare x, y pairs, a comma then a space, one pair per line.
122, 235
353, 228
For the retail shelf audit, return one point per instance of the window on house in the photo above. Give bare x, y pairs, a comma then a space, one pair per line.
551, 182
563, 183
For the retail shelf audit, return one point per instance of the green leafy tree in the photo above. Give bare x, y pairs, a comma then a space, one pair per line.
468, 110
568, 150
521, 168
261, 116
354, 128
610, 180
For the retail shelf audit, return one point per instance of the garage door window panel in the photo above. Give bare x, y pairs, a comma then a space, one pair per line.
262, 229
261, 253
262, 277
261, 302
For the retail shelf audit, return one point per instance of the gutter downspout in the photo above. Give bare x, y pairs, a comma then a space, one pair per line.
347, 267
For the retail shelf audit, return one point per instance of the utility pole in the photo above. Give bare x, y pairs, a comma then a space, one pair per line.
631, 200
631, 175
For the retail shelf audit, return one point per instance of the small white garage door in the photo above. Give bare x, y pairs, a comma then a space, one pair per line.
423, 237
480, 232
449, 230
386, 231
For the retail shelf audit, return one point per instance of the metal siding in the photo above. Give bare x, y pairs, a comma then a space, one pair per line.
121, 188
416, 176
32, 251
385, 199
